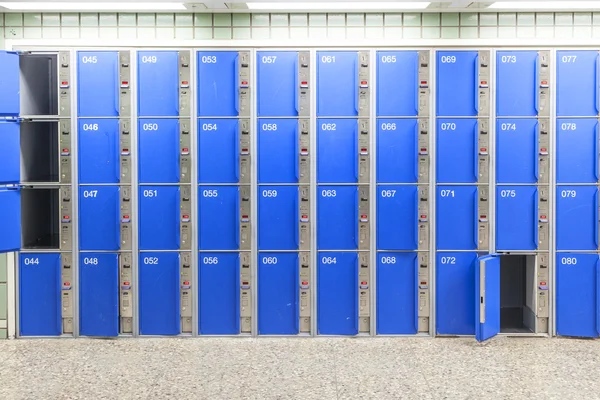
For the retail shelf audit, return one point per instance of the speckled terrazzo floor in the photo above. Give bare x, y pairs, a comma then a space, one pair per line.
286, 368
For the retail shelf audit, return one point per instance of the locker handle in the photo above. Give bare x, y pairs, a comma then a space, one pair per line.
356, 215
237, 295
356, 296
236, 149
296, 152
297, 306
536, 212
416, 294
117, 88
536, 146
536, 74
416, 165
178, 219
297, 223
418, 217
477, 84
356, 152
596, 219
237, 79
296, 83
596, 151
476, 220
237, 219
58, 303
476, 148
597, 297
356, 88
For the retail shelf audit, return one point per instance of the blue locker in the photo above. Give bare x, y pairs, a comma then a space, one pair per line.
98, 294
577, 151
278, 218
159, 217
99, 218
457, 83
10, 101
576, 218
337, 294
219, 210
397, 215
39, 294
278, 150
337, 147
98, 83
218, 151
577, 83
517, 150
159, 294
397, 294
278, 293
218, 94
516, 217
277, 83
397, 151
577, 283
456, 218
337, 217
158, 83
455, 293
457, 151
99, 153
516, 83
487, 297
397, 83
337, 83
219, 293
10, 215
158, 150
10, 143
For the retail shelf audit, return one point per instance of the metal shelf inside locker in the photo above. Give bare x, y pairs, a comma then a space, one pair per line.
40, 151
40, 218
39, 84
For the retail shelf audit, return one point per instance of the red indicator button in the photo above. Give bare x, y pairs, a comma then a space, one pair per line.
364, 216
244, 283
66, 217
423, 82
125, 83
363, 150
186, 283
304, 282
305, 217
244, 82
304, 83
126, 283
363, 283
543, 283
423, 283
126, 216
65, 150
186, 216
185, 83
244, 216
125, 150
542, 216
363, 82
544, 82
483, 149
67, 284
64, 83
423, 216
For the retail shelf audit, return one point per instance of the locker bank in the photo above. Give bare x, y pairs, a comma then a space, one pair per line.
301, 192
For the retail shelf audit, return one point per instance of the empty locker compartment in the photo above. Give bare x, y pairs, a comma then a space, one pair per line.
40, 151
517, 218
158, 83
337, 83
218, 151
219, 284
517, 150
338, 153
40, 294
457, 142
577, 83
278, 294
158, 150
576, 218
457, 89
159, 294
577, 150
457, 218
99, 218
159, 216
337, 214
219, 217
397, 293
41, 218
10, 164
99, 151
397, 214
278, 218
98, 294
39, 84
397, 83
517, 83
278, 151
10, 215
397, 151
278, 83
98, 83
577, 294
218, 90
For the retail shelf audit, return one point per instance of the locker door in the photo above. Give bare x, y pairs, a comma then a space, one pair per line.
99, 151
159, 150
577, 283
577, 151
98, 83
397, 294
457, 76
158, 83
516, 82
576, 218
278, 218
455, 293
577, 81
98, 294
277, 150
487, 297
517, 152
397, 76
397, 211
397, 153
337, 83
278, 287
39, 295
159, 217
516, 217
99, 218
219, 210
218, 151
217, 83
277, 83
10, 143
219, 293
159, 294
10, 101
457, 151
337, 213
456, 217
337, 294
10, 215
337, 146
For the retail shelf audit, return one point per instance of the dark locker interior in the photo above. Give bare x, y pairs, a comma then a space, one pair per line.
40, 224
517, 294
39, 86
39, 151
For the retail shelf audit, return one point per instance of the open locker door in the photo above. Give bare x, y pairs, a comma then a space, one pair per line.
487, 297
10, 196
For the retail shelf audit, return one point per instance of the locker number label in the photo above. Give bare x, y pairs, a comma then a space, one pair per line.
150, 260
209, 127
150, 193
210, 193
328, 127
269, 127
447, 193
209, 59
329, 260
508, 127
90, 127
328, 193
150, 127
269, 59
388, 260
448, 59
448, 260
508, 193
327, 59
448, 126
568, 59
90, 193
149, 59
269, 260
269, 193
508, 59
210, 260
89, 59
388, 59
568, 260
31, 261
90, 261
388, 126
568, 193
568, 126
388, 193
